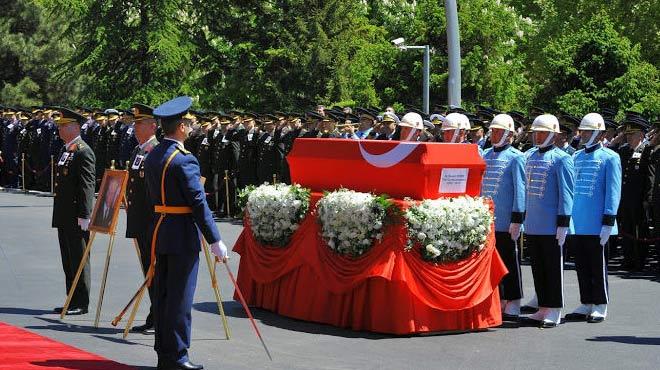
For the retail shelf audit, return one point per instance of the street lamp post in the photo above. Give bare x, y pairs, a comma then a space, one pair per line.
454, 54
426, 69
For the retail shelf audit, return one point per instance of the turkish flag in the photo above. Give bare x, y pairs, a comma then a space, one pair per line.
397, 168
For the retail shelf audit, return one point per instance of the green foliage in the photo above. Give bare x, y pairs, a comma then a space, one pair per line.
573, 55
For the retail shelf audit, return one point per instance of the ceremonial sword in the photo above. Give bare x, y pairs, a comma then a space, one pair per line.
247, 309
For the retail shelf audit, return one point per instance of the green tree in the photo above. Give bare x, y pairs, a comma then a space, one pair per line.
128, 50
29, 54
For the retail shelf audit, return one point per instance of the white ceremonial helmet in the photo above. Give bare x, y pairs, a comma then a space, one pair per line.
413, 120
504, 122
592, 122
545, 122
455, 121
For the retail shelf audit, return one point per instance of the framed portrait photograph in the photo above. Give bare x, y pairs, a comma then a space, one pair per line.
106, 208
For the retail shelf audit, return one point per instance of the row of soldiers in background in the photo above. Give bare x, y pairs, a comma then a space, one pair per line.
236, 149
30, 139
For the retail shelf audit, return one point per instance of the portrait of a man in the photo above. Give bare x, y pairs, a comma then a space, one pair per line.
109, 199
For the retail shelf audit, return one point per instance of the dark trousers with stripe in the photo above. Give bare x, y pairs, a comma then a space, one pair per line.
591, 269
175, 282
144, 243
511, 284
72, 246
547, 269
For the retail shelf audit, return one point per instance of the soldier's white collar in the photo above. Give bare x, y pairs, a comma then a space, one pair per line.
176, 141
68, 145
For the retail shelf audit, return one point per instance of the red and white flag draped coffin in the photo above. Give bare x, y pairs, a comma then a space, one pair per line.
399, 169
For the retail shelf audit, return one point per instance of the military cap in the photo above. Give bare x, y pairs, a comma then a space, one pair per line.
608, 112
100, 115
635, 124
351, 117
313, 115
173, 109
365, 112
269, 118
65, 115
436, 118
390, 117
111, 112
294, 115
456, 109
142, 111
36, 109
610, 124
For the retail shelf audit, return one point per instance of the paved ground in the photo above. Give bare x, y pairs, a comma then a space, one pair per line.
32, 283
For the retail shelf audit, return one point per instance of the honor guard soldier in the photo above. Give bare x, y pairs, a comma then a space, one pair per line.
181, 218
453, 128
72, 205
138, 210
548, 203
595, 204
410, 126
504, 182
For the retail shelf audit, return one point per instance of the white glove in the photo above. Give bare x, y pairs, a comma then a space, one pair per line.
562, 231
605, 233
219, 249
83, 223
514, 230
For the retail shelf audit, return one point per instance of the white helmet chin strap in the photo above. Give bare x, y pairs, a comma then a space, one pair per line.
503, 139
411, 134
455, 135
594, 135
547, 141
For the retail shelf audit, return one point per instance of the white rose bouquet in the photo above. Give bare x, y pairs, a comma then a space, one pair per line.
448, 229
275, 212
351, 221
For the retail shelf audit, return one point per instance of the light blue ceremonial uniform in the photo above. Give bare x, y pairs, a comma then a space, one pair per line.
597, 190
504, 182
549, 196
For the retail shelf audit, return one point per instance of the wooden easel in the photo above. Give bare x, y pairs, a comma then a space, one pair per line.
137, 297
110, 231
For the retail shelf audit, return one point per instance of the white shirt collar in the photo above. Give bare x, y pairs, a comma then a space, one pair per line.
176, 141
148, 140
71, 142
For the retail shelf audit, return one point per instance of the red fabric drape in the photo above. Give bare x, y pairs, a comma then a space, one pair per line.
386, 290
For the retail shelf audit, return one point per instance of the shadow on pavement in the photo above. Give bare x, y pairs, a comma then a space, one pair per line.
58, 325
651, 341
82, 364
234, 309
24, 311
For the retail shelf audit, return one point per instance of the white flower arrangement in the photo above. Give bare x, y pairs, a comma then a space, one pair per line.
275, 211
351, 221
448, 229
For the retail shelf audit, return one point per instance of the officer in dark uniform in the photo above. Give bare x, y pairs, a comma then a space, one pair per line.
203, 155
181, 218
248, 138
127, 140
293, 130
269, 157
138, 211
225, 158
101, 149
72, 205
113, 138
9, 149
632, 196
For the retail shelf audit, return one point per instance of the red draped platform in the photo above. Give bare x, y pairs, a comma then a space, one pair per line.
387, 290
